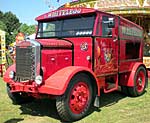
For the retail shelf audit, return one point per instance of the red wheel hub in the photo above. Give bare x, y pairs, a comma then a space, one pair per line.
79, 97
140, 81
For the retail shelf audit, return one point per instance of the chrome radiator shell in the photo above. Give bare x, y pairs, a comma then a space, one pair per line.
27, 60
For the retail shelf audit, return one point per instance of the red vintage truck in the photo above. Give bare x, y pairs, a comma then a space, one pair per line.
77, 53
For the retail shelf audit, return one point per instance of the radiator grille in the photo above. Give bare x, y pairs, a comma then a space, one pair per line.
25, 63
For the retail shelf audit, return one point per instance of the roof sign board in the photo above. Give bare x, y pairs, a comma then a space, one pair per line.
65, 12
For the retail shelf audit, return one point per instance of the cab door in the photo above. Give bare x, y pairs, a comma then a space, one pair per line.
106, 47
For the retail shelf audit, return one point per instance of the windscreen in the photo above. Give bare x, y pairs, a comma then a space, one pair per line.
82, 26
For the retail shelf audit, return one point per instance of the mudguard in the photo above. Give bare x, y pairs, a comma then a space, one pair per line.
58, 82
132, 74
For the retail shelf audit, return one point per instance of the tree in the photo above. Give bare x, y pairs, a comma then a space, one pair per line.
11, 21
12, 24
27, 30
2, 25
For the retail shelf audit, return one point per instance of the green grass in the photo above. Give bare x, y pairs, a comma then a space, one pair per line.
115, 108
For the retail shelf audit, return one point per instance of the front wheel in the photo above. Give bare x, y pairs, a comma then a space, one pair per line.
77, 100
140, 81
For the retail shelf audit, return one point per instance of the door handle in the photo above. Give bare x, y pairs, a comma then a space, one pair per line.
115, 39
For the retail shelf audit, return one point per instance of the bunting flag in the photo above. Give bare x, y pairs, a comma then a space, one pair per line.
58, 1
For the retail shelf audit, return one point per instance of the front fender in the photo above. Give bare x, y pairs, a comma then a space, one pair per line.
6, 75
58, 82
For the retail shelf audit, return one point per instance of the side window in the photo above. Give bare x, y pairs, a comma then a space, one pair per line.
106, 30
132, 50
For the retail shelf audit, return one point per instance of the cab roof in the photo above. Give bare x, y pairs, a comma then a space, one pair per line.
72, 12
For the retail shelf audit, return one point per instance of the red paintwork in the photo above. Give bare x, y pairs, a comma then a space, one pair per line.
62, 78
106, 58
55, 43
56, 59
80, 56
79, 97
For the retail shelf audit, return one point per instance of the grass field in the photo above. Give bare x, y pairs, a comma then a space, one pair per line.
115, 108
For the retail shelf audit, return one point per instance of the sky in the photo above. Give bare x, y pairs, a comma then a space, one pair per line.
28, 10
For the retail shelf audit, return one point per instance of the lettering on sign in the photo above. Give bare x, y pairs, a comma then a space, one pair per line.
131, 31
64, 12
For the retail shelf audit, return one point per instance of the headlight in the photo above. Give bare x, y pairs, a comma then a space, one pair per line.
38, 79
11, 74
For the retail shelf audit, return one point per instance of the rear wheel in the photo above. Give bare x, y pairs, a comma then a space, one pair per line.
140, 81
18, 97
77, 100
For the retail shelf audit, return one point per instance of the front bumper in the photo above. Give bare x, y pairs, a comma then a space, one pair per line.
32, 87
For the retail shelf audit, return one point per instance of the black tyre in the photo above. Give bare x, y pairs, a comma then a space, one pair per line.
18, 97
124, 89
140, 81
77, 100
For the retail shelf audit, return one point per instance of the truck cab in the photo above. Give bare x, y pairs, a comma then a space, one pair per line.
77, 53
